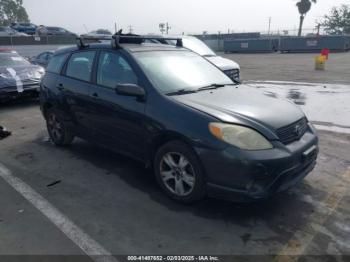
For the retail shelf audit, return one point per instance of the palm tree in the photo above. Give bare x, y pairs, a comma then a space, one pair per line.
304, 7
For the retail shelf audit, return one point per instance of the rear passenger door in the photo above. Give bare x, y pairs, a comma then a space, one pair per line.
75, 86
118, 119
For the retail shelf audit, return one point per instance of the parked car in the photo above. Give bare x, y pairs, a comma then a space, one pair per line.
18, 77
8, 31
100, 33
173, 110
229, 67
42, 59
27, 28
53, 30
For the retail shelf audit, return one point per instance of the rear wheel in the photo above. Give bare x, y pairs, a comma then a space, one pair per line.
58, 131
179, 172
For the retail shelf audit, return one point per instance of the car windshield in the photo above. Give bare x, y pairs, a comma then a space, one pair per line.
171, 71
12, 59
102, 32
197, 46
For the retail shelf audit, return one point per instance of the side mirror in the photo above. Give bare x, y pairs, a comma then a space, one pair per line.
130, 90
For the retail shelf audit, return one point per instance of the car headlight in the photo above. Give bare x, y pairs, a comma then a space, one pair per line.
240, 136
40, 72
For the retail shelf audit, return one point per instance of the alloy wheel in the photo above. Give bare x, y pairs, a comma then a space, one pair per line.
177, 174
55, 127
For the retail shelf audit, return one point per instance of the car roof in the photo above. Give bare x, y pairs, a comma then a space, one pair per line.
131, 48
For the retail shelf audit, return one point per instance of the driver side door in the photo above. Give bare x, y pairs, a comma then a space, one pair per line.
118, 120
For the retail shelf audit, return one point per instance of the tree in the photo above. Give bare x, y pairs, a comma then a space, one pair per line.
12, 11
304, 7
338, 21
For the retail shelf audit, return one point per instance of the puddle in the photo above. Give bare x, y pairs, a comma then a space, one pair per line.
328, 105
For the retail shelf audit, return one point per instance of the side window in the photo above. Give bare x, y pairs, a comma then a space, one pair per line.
113, 69
80, 65
56, 63
49, 56
42, 56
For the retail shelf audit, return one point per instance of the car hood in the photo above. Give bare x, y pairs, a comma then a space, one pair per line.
27, 73
223, 63
244, 104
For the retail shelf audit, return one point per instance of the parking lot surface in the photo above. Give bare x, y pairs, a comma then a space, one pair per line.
114, 201
293, 67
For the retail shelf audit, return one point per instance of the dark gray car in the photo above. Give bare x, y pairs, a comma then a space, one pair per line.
54, 31
173, 110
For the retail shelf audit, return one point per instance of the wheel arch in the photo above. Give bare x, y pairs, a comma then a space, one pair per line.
165, 138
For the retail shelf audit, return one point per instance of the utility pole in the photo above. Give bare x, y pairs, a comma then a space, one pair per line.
162, 28
168, 27
318, 27
115, 28
270, 18
130, 29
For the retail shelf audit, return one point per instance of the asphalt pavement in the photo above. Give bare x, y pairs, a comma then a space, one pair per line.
87, 200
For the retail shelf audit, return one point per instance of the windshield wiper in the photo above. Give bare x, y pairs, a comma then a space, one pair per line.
213, 86
182, 92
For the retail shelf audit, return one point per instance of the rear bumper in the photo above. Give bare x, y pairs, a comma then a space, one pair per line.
246, 176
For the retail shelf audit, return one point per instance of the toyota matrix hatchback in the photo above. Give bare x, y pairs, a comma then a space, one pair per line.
175, 111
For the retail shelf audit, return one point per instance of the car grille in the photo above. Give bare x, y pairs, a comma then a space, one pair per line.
293, 132
30, 82
233, 74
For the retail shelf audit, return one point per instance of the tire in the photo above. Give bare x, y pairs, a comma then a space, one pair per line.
59, 134
179, 172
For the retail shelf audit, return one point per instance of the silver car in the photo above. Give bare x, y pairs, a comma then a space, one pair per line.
229, 67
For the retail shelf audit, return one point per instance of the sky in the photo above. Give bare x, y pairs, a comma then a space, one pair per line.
184, 16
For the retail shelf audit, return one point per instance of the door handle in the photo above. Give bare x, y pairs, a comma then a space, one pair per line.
60, 87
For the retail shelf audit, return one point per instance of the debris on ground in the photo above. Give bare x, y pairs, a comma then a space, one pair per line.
4, 133
54, 183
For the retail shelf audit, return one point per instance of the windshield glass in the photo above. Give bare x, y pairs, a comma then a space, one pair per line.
11, 59
197, 46
171, 71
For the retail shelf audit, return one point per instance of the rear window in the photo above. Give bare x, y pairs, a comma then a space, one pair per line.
56, 63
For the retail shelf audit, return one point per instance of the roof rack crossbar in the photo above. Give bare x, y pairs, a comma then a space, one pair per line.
82, 44
118, 39
135, 39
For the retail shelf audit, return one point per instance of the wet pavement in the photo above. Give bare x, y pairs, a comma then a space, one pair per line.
117, 202
326, 105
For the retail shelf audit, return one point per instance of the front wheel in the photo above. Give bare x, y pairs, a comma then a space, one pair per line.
58, 131
179, 172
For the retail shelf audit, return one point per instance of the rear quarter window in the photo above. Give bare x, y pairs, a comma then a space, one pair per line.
56, 63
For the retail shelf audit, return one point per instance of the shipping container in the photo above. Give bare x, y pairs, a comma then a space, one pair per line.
315, 44
260, 45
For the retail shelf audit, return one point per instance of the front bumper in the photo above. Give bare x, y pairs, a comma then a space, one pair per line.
247, 176
11, 92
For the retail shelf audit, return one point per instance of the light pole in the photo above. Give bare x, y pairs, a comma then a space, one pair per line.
270, 19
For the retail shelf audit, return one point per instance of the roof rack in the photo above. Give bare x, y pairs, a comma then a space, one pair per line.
82, 44
119, 39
